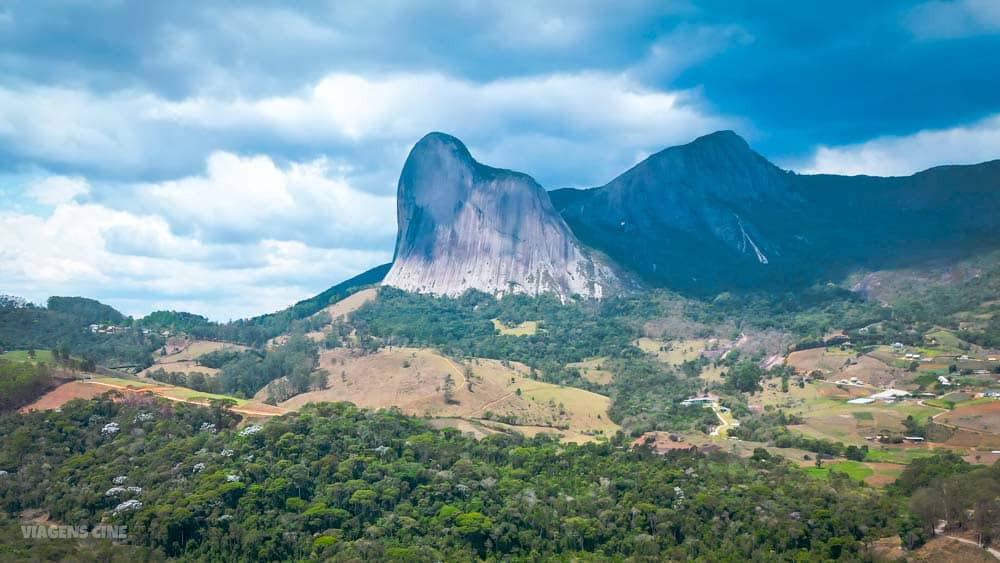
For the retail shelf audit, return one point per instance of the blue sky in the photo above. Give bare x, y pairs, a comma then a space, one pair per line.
232, 158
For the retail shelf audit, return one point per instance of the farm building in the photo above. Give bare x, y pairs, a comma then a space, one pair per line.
705, 400
890, 395
861, 401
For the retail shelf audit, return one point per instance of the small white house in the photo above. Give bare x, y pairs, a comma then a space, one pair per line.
699, 401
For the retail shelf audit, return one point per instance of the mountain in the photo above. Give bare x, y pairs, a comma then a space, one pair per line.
708, 216
714, 215
464, 225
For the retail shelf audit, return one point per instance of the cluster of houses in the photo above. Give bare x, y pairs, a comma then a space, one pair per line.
112, 329
852, 381
893, 395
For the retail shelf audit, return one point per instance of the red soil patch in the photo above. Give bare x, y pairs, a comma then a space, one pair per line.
984, 417
982, 458
63, 394
965, 439
661, 443
880, 478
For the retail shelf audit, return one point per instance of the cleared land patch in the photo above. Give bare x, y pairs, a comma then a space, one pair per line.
981, 417
835, 364
593, 370
91, 388
22, 356
674, 351
62, 394
183, 353
351, 303
337, 311
424, 383
526, 328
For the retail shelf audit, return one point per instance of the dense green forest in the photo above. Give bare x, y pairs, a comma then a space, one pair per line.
64, 325
339, 482
86, 310
22, 382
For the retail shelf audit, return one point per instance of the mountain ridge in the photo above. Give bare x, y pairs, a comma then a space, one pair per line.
724, 217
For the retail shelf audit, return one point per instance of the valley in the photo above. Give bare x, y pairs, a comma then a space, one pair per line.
517, 349
499, 282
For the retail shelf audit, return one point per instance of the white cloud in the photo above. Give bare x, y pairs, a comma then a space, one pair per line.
72, 126
247, 237
904, 155
405, 106
53, 190
233, 234
68, 253
371, 121
954, 19
251, 199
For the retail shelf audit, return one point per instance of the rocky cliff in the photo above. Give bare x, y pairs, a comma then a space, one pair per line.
464, 225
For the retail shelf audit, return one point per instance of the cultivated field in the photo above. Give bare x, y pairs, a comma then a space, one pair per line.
817, 395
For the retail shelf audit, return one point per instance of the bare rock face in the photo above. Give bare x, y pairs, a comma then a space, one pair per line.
463, 225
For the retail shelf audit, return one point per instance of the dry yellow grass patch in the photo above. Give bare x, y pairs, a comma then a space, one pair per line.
184, 353
337, 311
712, 373
593, 370
414, 380
673, 352
527, 328
351, 303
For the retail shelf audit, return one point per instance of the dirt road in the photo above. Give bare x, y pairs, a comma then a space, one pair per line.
158, 391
